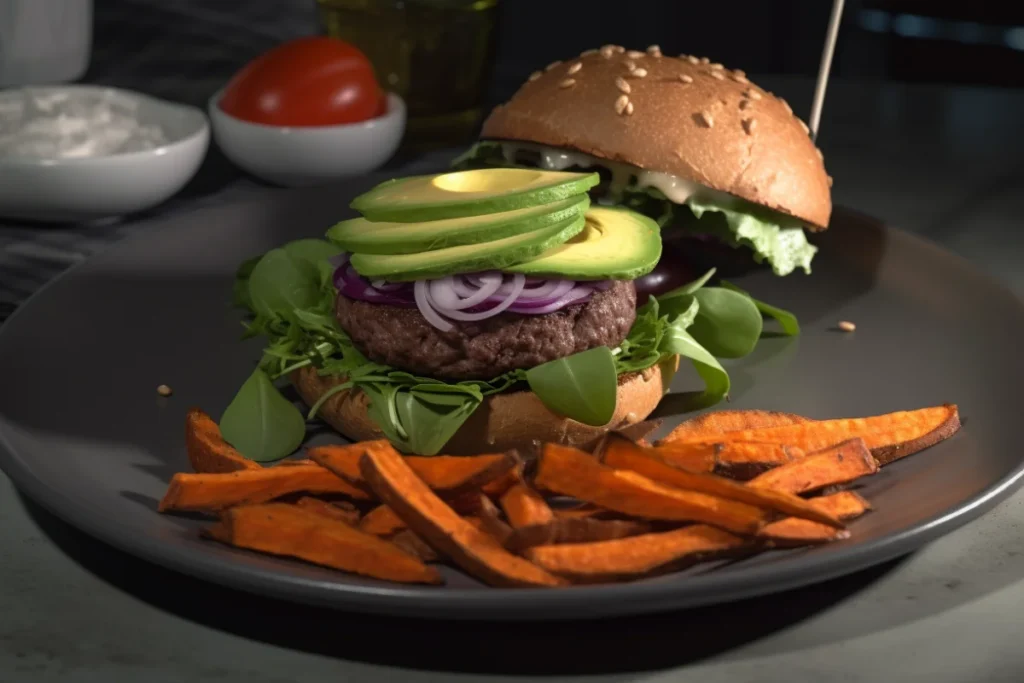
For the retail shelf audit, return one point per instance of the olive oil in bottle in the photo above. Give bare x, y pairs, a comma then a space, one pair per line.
436, 54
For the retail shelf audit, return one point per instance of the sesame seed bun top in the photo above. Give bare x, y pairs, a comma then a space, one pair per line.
679, 115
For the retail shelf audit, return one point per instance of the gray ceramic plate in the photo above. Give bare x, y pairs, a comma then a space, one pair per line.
83, 432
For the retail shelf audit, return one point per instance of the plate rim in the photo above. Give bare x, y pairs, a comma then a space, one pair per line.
495, 604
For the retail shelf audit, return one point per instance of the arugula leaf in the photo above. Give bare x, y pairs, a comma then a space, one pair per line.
677, 340
790, 325
727, 324
583, 386
260, 422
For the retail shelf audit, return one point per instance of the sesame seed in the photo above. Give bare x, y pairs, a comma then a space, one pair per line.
567, 83
607, 51
621, 104
716, 66
821, 155
552, 65
706, 119
744, 104
749, 125
587, 53
534, 76
692, 60
807, 129
846, 326
574, 68
830, 181
620, 49
753, 94
630, 66
705, 60
717, 75
739, 79
622, 85
686, 78
654, 50
164, 390
629, 109
789, 109
639, 73
634, 54
739, 72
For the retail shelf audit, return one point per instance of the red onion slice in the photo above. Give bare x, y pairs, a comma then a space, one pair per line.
422, 294
518, 281
444, 296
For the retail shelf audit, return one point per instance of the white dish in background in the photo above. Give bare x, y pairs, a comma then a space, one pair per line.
81, 185
309, 155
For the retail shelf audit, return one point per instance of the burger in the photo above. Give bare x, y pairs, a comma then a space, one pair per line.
547, 288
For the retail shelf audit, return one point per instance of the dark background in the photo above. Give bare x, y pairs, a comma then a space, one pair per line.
976, 43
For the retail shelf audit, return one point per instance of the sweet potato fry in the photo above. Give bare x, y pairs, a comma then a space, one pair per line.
414, 545
525, 507
397, 485
692, 457
211, 492
620, 453
792, 531
498, 487
491, 521
635, 556
839, 464
295, 462
709, 426
381, 521
584, 511
448, 475
574, 473
282, 529
340, 510
568, 530
745, 460
889, 437
208, 452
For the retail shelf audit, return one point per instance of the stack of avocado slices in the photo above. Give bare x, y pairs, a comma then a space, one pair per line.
538, 223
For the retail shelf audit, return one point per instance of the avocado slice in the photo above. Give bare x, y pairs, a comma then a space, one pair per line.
616, 243
468, 193
361, 236
467, 258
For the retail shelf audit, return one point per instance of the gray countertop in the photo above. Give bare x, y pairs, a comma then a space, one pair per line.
942, 162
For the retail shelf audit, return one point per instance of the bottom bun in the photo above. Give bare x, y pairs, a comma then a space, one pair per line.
504, 421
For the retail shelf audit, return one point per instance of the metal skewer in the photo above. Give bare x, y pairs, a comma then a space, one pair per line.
825, 66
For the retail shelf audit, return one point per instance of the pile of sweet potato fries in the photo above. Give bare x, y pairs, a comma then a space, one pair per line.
727, 483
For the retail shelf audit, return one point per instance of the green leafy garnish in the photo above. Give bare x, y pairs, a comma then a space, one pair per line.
787, 321
583, 385
727, 324
716, 379
261, 423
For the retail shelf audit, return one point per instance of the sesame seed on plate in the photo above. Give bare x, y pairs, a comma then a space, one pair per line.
567, 83
846, 326
749, 125
622, 85
573, 68
534, 76
621, 103
686, 78
164, 390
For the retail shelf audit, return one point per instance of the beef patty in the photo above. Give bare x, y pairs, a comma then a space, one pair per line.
402, 338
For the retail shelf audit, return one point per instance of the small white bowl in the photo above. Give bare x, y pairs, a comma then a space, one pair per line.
89, 188
297, 156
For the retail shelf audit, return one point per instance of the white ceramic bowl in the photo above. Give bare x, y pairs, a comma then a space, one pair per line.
309, 155
88, 188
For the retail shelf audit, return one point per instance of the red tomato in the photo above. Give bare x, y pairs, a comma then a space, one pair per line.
313, 81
